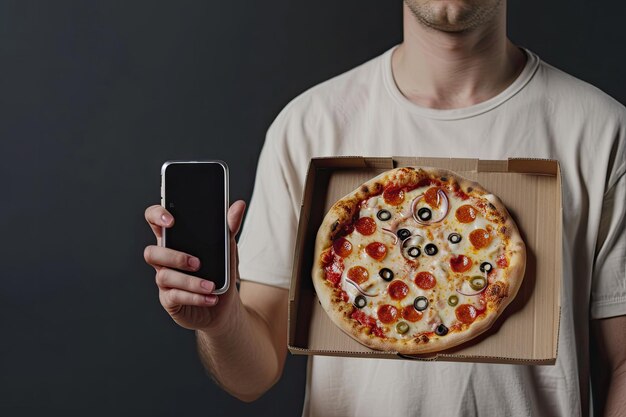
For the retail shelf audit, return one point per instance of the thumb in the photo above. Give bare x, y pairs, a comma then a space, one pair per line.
235, 215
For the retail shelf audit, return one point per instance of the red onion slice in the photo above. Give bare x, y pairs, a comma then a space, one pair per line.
413, 237
413, 204
476, 293
445, 205
359, 289
470, 295
395, 237
445, 208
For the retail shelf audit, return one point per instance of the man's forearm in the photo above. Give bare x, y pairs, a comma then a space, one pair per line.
616, 396
241, 355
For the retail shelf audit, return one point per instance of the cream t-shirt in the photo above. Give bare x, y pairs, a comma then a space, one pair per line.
544, 113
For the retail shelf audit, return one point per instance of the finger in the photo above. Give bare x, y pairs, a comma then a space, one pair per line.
234, 262
160, 256
168, 278
157, 217
235, 215
174, 297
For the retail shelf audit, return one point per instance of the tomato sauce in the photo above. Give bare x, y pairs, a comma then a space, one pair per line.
368, 321
460, 193
333, 267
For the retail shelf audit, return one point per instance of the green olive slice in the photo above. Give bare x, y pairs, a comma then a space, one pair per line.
402, 327
453, 300
477, 283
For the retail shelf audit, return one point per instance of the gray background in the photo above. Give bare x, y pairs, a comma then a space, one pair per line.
94, 96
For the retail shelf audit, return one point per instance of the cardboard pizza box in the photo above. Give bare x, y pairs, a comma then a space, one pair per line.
527, 332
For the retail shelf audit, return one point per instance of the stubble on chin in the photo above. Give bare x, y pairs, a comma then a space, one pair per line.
451, 16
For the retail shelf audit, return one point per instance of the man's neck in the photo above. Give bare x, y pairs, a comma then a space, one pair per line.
444, 70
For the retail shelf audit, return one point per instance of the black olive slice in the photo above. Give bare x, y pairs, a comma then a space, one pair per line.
424, 213
386, 274
360, 301
430, 249
420, 303
383, 215
454, 238
441, 330
403, 233
414, 252
486, 267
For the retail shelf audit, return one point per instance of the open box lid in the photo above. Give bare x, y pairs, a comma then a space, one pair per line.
527, 331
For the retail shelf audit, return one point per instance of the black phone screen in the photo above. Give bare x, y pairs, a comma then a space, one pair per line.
195, 194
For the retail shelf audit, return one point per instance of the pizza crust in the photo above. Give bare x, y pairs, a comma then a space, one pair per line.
343, 213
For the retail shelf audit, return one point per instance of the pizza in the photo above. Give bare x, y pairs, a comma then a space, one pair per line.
417, 260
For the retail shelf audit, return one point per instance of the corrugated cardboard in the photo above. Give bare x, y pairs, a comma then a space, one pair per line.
528, 330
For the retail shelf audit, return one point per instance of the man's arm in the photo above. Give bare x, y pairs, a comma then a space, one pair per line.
610, 335
246, 353
242, 335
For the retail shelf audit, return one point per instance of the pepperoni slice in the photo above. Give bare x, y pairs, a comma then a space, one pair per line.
358, 274
425, 280
397, 290
480, 238
342, 247
460, 263
466, 313
466, 214
365, 226
393, 196
376, 250
502, 261
432, 198
387, 313
409, 313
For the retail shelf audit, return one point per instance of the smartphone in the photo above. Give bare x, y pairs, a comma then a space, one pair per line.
196, 194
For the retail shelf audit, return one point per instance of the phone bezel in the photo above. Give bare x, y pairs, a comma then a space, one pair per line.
164, 167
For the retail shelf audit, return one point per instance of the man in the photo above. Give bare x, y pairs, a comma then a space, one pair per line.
455, 87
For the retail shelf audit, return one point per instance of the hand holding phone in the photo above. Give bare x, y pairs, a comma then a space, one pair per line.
190, 300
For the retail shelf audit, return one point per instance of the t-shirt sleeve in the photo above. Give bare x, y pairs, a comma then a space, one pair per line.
266, 244
608, 291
